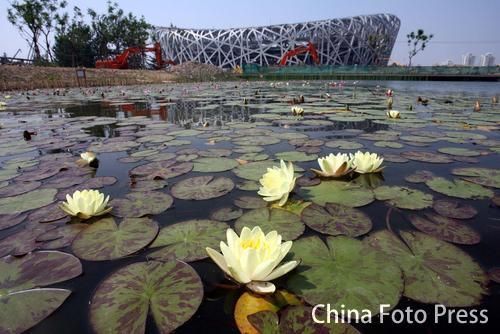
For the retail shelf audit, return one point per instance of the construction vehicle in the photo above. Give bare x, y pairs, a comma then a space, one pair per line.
309, 48
122, 61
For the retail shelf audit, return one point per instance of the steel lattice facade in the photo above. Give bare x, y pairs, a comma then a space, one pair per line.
362, 40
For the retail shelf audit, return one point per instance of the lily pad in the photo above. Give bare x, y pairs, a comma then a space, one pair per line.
47, 214
344, 144
226, 214
171, 292
186, 241
420, 176
286, 223
254, 170
104, 240
162, 169
248, 185
389, 144
435, 272
445, 228
18, 188
459, 151
483, 176
27, 201
459, 188
454, 209
250, 202
335, 219
138, 204
338, 192
60, 237
403, 198
24, 309
7, 221
343, 272
295, 156
213, 165
428, 157
202, 188
23, 241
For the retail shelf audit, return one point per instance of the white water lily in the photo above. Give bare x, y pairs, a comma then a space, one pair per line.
88, 157
86, 204
393, 114
334, 165
277, 183
366, 162
297, 111
253, 258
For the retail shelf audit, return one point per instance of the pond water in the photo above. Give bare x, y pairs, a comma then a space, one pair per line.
431, 214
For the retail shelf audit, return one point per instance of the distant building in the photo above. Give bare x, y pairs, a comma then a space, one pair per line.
468, 59
487, 59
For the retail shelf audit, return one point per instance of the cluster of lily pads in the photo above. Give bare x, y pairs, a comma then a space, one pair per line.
55, 209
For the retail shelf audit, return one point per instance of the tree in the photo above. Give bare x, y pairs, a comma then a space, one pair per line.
73, 41
417, 42
34, 18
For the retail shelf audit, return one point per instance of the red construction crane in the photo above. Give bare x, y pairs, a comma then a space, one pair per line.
310, 48
121, 61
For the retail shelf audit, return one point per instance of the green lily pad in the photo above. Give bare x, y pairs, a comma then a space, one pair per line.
297, 319
295, 156
161, 156
459, 188
104, 240
459, 151
253, 157
248, 149
254, 170
256, 141
344, 272
344, 144
389, 144
286, 223
453, 209
23, 241
338, 192
171, 292
47, 214
213, 165
483, 176
226, 214
445, 228
435, 272
60, 237
138, 204
24, 309
162, 169
37, 269
202, 188
186, 241
403, 198
215, 153
27, 201
7, 174
335, 219
248, 185
250, 202
428, 157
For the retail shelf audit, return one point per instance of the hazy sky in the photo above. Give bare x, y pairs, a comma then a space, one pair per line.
459, 26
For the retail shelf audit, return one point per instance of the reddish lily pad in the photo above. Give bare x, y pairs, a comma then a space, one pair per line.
64, 182
137, 184
286, 223
355, 266
250, 202
483, 176
187, 241
435, 272
428, 157
202, 188
162, 169
18, 188
138, 204
445, 228
38, 174
226, 214
7, 221
161, 156
403, 198
60, 237
104, 240
23, 241
27, 201
37, 269
47, 214
24, 309
335, 219
93, 183
171, 292
454, 209
420, 176
344, 144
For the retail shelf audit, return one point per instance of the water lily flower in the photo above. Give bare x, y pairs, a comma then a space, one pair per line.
2, 104
253, 257
7, 97
298, 111
334, 165
366, 162
88, 157
86, 204
393, 114
277, 183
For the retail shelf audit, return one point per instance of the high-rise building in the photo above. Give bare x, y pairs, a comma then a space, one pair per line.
468, 59
487, 59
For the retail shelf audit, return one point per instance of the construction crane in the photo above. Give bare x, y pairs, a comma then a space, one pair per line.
310, 48
121, 61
